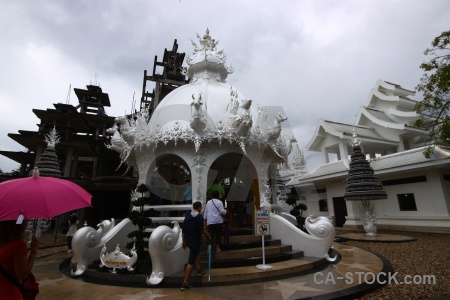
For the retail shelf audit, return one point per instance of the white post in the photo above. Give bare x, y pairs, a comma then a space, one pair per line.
263, 267
263, 251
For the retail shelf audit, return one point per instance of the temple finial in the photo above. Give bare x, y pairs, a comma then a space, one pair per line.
52, 138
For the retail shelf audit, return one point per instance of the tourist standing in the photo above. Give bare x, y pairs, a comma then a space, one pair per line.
73, 223
13, 257
213, 214
192, 230
217, 187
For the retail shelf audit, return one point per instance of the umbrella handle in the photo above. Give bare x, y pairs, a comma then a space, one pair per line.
20, 218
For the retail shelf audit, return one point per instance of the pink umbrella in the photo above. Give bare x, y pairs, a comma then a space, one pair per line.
40, 197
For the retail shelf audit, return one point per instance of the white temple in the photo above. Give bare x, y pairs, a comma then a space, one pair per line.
418, 188
204, 130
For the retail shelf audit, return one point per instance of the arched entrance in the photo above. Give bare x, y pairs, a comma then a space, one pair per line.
239, 178
168, 179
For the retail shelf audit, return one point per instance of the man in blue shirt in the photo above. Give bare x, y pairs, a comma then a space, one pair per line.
192, 230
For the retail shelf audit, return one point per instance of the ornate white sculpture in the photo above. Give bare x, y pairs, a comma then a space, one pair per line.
199, 122
239, 117
198, 114
132, 132
274, 131
207, 57
87, 242
298, 161
316, 244
52, 138
117, 259
323, 228
165, 250
368, 217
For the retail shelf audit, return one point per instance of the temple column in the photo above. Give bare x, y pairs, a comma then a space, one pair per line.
325, 158
95, 162
401, 146
343, 151
273, 183
353, 219
68, 165
73, 173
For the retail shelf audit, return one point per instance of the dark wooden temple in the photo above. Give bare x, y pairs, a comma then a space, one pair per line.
83, 156
167, 76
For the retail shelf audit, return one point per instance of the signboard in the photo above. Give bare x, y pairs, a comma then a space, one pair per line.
262, 229
262, 216
262, 222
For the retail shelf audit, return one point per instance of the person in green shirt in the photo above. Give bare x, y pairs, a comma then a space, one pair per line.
217, 187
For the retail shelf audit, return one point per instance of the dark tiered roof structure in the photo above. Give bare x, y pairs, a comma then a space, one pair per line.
81, 155
362, 184
167, 75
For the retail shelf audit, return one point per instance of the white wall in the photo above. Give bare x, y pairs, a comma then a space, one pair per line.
429, 197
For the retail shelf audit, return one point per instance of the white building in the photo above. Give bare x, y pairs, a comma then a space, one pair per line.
204, 130
418, 188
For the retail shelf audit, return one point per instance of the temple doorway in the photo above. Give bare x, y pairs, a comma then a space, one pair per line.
340, 211
239, 179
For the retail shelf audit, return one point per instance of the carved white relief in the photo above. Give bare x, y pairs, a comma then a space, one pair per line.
198, 168
265, 191
274, 131
298, 161
198, 114
117, 259
239, 119
52, 138
206, 56
84, 240
321, 227
165, 250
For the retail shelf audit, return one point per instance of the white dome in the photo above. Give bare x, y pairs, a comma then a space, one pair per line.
206, 109
207, 103
216, 97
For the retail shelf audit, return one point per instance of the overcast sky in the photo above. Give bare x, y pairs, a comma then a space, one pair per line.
318, 59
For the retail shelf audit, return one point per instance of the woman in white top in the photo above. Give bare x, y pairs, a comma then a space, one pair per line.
214, 211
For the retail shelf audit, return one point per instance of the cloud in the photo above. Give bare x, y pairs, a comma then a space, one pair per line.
317, 59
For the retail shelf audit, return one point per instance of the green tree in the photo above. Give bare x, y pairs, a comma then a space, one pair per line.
435, 86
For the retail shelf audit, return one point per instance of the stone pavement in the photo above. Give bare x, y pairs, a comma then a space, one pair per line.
330, 282
383, 238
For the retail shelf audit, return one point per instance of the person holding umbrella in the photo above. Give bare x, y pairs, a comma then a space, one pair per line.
13, 256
